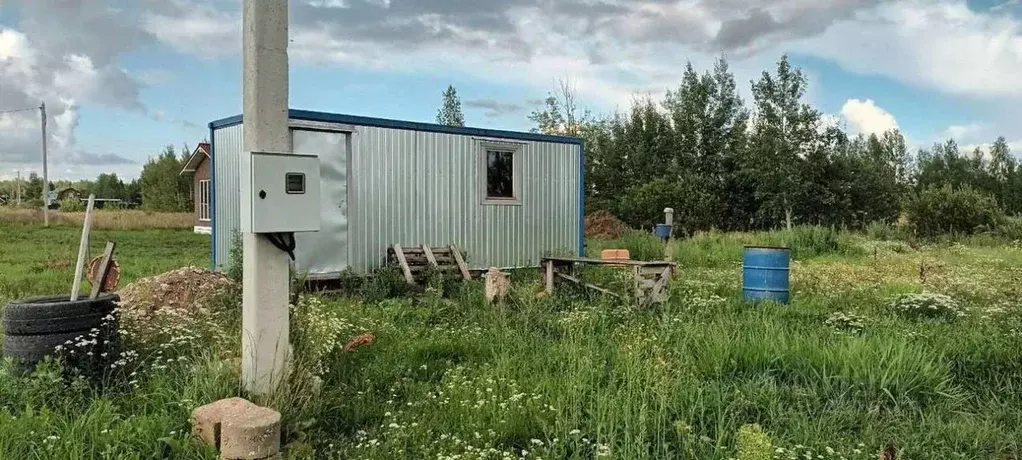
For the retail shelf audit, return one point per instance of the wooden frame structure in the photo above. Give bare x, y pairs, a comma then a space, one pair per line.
414, 261
649, 278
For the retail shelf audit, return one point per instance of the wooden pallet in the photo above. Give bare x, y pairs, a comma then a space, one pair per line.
651, 284
415, 261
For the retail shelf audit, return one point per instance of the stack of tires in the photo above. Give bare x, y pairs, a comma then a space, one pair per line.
59, 327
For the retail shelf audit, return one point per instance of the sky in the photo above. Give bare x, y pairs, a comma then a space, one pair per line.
122, 79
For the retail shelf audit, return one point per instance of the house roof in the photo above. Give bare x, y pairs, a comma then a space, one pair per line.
200, 154
407, 125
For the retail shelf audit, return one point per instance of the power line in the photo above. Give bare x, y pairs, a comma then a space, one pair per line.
18, 110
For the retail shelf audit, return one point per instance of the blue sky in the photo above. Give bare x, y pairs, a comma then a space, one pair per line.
123, 78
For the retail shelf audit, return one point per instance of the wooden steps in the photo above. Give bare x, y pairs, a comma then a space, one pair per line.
416, 260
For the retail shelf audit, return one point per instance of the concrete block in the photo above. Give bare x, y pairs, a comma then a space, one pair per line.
251, 434
206, 420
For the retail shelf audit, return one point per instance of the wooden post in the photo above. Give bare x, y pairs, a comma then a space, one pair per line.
399, 253
637, 278
461, 263
549, 276
104, 267
669, 220
83, 247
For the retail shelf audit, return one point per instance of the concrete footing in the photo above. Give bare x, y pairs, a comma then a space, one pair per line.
239, 429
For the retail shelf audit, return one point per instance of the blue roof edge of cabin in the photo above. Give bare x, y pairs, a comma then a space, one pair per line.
356, 120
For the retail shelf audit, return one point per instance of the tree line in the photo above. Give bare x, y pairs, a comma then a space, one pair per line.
159, 188
775, 161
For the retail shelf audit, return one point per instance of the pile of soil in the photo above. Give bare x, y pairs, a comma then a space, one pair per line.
186, 288
603, 224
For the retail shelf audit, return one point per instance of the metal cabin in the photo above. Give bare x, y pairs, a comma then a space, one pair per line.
504, 198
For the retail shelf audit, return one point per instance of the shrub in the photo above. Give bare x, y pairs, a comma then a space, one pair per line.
811, 241
754, 443
640, 245
71, 205
846, 322
927, 306
642, 206
236, 266
886, 232
1010, 228
964, 210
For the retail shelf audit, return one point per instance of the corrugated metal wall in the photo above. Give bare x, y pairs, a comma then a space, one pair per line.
227, 146
413, 188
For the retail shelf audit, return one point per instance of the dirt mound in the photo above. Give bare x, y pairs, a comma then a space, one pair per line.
603, 224
182, 289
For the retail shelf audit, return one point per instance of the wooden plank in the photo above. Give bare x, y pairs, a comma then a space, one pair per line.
429, 256
549, 277
444, 259
659, 291
104, 268
441, 250
400, 255
651, 270
461, 263
637, 263
637, 279
412, 250
83, 246
587, 285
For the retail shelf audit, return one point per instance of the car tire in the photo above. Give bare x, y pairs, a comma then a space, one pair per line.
57, 307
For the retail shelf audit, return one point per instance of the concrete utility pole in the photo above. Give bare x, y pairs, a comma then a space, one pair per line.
46, 176
18, 193
265, 344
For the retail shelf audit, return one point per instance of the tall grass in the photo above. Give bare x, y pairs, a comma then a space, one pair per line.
719, 248
114, 219
701, 376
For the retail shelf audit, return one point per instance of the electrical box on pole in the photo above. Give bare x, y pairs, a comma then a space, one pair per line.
281, 193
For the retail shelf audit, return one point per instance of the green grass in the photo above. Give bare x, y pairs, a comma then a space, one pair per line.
40, 261
577, 377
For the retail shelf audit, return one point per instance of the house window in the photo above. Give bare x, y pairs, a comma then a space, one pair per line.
500, 175
500, 172
203, 196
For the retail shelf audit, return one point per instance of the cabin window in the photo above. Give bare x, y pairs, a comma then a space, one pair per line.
500, 175
203, 199
500, 171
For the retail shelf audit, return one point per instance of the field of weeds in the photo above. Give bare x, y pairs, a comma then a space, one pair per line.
887, 346
108, 219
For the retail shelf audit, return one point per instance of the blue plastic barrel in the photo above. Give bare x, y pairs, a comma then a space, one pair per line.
765, 274
663, 230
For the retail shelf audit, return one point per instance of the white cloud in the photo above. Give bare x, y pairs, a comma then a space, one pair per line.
967, 132
940, 44
865, 117
610, 49
196, 28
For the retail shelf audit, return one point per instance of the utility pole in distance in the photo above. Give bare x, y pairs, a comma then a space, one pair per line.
265, 342
46, 176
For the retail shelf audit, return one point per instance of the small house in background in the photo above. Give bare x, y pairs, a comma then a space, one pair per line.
199, 166
503, 198
68, 193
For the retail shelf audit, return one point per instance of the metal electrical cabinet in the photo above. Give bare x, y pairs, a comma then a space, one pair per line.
279, 192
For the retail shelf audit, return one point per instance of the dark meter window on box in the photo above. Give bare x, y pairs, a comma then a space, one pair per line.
294, 183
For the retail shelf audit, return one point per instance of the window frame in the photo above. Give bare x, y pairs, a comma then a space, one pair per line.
516, 150
203, 200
